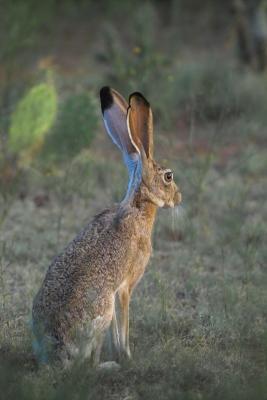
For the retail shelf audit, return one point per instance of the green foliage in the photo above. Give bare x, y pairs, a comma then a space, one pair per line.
137, 64
33, 117
209, 91
20, 25
208, 87
74, 129
215, 90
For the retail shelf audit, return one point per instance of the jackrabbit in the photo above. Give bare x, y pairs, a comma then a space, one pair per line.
75, 305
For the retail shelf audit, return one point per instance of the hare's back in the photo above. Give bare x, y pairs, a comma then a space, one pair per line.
89, 264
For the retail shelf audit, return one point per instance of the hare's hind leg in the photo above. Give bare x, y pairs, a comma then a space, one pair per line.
113, 339
100, 325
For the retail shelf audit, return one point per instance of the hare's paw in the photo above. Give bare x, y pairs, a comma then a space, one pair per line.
126, 354
109, 366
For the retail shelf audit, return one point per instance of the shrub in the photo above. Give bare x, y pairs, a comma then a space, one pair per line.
137, 64
74, 128
211, 91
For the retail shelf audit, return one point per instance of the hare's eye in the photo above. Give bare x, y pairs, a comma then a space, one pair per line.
168, 176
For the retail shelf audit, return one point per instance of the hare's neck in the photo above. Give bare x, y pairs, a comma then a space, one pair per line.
148, 211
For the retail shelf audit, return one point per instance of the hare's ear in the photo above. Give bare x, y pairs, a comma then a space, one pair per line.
114, 110
140, 123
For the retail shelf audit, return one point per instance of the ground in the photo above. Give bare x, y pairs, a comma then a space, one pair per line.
198, 321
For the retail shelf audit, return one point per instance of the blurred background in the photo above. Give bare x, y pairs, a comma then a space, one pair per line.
198, 317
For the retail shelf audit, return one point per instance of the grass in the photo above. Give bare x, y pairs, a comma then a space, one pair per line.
198, 325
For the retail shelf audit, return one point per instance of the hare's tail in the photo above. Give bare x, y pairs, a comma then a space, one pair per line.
42, 343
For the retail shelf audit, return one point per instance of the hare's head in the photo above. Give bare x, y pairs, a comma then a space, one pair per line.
131, 128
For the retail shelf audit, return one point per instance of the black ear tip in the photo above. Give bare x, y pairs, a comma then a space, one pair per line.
139, 98
105, 98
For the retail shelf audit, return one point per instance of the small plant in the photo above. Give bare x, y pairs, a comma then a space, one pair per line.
33, 117
26, 128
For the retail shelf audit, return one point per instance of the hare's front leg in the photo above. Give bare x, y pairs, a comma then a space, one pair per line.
120, 327
113, 338
124, 294
100, 325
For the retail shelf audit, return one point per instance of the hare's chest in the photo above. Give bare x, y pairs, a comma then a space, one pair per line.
139, 260
144, 246
142, 252
139, 248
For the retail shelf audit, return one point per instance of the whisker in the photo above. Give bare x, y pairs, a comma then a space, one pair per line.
178, 214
